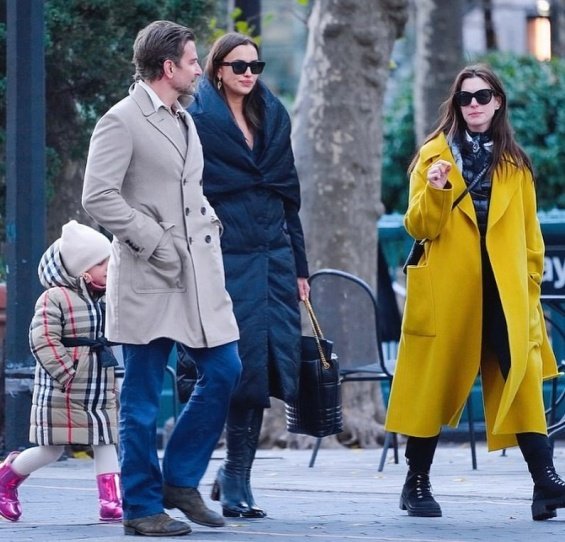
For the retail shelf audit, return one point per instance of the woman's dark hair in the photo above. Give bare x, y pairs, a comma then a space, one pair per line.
451, 123
157, 42
252, 103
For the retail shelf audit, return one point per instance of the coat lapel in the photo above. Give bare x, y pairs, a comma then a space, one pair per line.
459, 186
160, 119
503, 190
167, 125
193, 149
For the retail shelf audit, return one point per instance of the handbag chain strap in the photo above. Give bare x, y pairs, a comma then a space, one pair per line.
317, 332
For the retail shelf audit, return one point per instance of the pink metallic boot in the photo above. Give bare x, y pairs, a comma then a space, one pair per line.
10, 480
109, 496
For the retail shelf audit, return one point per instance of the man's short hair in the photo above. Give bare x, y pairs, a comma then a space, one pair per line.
157, 42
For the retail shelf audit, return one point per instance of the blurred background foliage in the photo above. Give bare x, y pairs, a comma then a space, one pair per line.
536, 94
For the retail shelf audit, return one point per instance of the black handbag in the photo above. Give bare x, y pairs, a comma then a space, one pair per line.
317, 409
417, 248
414, 255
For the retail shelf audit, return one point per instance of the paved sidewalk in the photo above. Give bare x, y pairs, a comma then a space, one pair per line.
343, 498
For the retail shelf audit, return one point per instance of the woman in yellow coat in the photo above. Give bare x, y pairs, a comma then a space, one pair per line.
473, 299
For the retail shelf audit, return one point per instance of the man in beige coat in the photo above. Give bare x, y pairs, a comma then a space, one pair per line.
143, 183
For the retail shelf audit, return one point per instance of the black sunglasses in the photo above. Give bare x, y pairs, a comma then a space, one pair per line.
483, 97
239, 67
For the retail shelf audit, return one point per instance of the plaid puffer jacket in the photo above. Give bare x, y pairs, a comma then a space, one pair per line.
74, 398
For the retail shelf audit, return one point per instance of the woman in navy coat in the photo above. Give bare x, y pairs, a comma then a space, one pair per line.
251, 181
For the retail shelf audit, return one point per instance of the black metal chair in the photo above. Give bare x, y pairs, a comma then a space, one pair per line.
554, 320
347, 310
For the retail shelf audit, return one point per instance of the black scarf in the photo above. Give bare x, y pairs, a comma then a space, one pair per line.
476, 154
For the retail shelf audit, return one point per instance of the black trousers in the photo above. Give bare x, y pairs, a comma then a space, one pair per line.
495, 330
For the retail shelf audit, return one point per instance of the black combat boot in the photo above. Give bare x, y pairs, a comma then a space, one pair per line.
549, 488
416, 497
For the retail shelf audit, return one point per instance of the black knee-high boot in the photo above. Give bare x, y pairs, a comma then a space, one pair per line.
229, 487
253, 432
416, 497
549, 488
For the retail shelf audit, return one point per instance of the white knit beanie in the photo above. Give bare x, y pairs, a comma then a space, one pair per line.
82, 247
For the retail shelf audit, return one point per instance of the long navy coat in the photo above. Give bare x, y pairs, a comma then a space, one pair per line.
256, 195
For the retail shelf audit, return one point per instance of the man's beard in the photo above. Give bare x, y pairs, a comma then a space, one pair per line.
187, 90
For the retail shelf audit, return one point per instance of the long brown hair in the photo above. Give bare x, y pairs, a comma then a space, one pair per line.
505, 148
252, 103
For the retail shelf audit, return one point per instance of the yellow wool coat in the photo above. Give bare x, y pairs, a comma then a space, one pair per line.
440, 352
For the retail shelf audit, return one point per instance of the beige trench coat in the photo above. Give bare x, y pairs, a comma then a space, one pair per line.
143, 183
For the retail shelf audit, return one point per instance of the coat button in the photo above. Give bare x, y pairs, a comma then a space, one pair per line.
200, 182
186, 211
184, 181
190, 240
203, 210
207, 239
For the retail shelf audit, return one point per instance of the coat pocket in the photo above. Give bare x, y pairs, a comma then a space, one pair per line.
215, 220
162, 272
419, 312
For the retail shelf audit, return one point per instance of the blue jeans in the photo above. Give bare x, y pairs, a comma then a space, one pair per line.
196, 432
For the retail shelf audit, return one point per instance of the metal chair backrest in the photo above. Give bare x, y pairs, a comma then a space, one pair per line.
347, 310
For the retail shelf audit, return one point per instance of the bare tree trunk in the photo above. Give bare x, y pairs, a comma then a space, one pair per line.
490, 31
558, 28
337, 139
67, 205
65, 189
439, 52
337, 134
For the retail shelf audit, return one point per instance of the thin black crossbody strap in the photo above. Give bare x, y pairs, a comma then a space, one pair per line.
470, 187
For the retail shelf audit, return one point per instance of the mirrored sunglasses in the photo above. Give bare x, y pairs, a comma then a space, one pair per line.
483, 97
239, 67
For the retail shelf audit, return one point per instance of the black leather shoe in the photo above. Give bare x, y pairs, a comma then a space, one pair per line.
156, 525
417, 498
549, 494
189, 501
254, 512
229, 491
